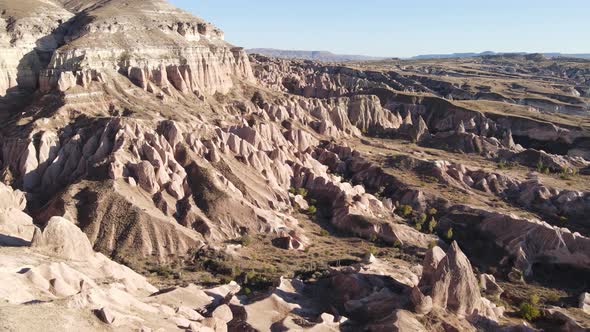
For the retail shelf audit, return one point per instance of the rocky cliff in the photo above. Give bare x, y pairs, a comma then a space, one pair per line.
156, 46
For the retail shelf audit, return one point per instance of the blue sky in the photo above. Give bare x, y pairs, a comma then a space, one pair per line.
401, 28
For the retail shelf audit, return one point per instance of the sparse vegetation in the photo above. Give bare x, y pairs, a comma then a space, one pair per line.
312, 210
405, 211
449, 234
529, 310
245, 240
541, 168
568, 173
432, 225
302, 192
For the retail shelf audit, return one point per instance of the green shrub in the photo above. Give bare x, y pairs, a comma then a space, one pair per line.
418, 226
432, 211
432, 225
567, 173
324, 232
553, 298
423, 218
405, 210
245, 240
449, 234
302, 192
372, 250
312, 210
529, 311
163, 271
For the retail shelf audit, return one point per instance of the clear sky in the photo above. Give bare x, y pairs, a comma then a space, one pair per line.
401, 28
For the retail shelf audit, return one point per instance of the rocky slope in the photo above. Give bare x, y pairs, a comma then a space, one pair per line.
340, 197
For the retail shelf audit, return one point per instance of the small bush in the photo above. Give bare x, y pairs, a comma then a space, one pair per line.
324, 232
163, 271
372, 250
432, 225
312, 210
245, 240
449, 234
553, 298
405, 210
423, 218
529, 311
540, 166
563, 219
302, 192
432, 211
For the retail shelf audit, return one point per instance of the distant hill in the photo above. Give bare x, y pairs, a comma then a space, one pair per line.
470, 55
324, 56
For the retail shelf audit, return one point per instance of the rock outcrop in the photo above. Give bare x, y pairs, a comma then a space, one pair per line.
16, 227
454, 287
585, 302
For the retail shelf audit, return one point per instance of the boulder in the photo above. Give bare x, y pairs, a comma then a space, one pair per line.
189, 313
216, 324
585, 302
430, 263
16, 228
369, 258
422, 304
181, 322
145, 175
399, 321
105, 315
223, 312
61, 238
300, 202
489, 286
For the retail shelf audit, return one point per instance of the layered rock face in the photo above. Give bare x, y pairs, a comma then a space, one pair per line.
29, 33
158, 47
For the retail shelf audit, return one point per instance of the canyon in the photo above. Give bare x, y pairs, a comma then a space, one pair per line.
155, 177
